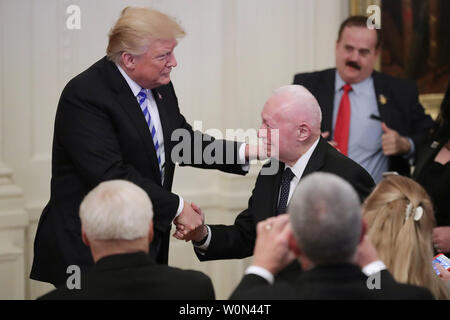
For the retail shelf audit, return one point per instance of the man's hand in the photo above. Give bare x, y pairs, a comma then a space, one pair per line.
333, 143
392, 143
272, 244
188, 221
365, 253
441, 239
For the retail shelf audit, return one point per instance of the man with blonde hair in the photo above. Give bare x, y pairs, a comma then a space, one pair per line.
116, 220
115, 121
291, 120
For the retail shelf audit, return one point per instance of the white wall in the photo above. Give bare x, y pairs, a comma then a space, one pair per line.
234, 54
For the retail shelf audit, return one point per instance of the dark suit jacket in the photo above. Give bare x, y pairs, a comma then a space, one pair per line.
401, 112
334, 282
137, 276
101, 134
238, 240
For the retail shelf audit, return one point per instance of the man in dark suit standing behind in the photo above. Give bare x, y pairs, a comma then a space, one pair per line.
116, 220
115, 121
290, 129
323, 229
373, 118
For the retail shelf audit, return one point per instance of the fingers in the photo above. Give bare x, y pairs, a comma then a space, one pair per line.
325, 134
441, 269
385, 128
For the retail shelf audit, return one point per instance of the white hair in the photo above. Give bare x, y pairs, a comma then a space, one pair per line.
116, 210
326, 218
304, 99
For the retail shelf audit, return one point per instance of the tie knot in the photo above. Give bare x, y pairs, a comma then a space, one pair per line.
288, 175
347, 87
141, 96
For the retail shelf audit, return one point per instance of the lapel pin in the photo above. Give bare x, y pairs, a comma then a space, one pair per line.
434, 145
159, 96
382, 99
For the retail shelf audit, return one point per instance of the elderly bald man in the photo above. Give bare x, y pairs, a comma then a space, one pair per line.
290, 129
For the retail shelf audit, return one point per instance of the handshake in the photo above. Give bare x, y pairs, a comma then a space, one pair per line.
190, 224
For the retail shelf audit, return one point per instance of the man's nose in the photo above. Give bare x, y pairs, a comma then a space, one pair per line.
172, 62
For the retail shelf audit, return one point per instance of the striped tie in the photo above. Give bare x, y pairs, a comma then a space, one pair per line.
143, 102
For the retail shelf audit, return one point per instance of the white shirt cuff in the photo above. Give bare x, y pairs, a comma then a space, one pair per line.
373, 267
260, 271
204, 246
245, 164
180, 207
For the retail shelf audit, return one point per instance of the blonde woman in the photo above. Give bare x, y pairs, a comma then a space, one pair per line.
400, 222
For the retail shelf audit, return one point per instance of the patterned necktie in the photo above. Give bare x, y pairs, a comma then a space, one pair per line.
286, 178
143, 102
342, 127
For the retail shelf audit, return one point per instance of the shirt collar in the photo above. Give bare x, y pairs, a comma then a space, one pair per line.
356, 87
131, 83
299, 167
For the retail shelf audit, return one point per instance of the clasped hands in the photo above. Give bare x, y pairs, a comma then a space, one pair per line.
190, 223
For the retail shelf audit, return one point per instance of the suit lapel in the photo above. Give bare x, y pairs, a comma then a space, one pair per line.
325, 96
268, 197
317, 159
131, 107
382, 96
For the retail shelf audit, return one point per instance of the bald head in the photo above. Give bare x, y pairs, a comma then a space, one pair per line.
296, 114
299, 105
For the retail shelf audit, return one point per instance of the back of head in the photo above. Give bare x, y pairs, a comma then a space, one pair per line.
116, 210
326, 219
401, 234
135, 30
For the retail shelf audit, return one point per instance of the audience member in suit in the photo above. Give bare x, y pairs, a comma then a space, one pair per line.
400, 222
115, 121
432, 171
323, 229
373, 118
116, 220
291, 130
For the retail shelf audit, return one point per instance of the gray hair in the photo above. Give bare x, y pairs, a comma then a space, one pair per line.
116, 210
326, 218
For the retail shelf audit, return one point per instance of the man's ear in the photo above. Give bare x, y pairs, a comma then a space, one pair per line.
150, 232
304, 132
128, 61
363, 229
84, 237
293, 246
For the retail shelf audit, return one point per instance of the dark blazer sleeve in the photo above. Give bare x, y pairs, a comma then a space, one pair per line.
231, 242
89, 138
421, 123
248, 284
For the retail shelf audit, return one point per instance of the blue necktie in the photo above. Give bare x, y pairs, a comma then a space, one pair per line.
142, 99
286, 178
